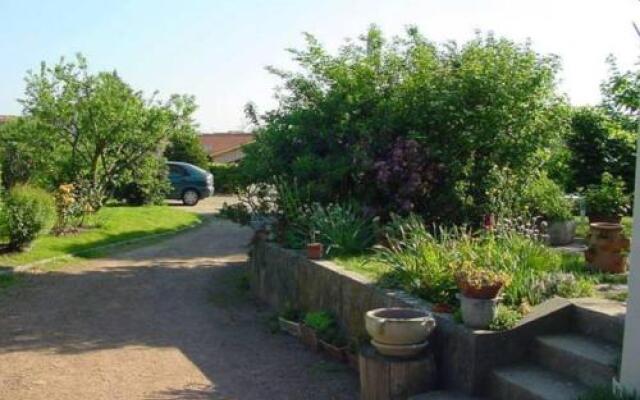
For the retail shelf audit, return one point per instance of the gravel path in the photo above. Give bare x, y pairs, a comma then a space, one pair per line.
168, 321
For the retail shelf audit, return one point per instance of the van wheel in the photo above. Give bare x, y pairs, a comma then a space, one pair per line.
190, 197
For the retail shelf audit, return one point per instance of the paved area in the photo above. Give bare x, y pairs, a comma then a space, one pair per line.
168, 321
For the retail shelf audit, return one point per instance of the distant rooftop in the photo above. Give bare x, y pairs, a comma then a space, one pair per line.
223, 142
5, 118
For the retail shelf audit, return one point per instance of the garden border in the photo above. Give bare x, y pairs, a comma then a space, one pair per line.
286, 278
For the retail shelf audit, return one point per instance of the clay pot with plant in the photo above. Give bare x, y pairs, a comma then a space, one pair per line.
315, 249
608, 248
313, 325
289, 321
608, 201
479, 290
547, 199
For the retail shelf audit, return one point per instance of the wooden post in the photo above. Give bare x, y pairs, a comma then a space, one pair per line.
390, 378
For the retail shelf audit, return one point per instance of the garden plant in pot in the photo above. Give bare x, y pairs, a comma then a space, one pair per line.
315, 249
479, 290
289, 321
607, 202
315, 325
399, 332
546, 199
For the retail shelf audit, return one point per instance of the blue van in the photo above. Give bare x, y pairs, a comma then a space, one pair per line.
189, 183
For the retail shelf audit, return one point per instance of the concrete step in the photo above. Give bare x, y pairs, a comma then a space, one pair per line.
600, 318
591, 361
443, 395
532, 382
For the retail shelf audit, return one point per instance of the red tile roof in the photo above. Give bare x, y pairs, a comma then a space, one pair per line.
219, 143
5, 118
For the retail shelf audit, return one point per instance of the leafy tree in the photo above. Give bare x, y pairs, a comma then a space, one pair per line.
184, 144
598, 143
468, 108
98, 127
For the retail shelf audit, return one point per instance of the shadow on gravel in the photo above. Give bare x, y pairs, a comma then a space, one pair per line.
204, 311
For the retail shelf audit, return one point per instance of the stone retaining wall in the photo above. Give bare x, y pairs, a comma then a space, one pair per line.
465, 357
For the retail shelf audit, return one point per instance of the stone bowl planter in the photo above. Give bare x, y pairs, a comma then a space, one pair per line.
561, 232
399, 326
478, 313
401, 351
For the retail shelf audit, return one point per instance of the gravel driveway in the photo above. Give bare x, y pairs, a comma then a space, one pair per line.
168, 321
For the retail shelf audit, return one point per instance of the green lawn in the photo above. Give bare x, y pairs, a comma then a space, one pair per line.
111, 225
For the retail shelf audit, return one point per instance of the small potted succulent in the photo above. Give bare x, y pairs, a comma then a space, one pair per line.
315, 249
289, 321
314, 322
608, 201
479, 290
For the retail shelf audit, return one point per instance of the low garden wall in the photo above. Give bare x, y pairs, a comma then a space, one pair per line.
286, 278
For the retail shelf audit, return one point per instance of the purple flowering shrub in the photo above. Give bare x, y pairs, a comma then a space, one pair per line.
404, 176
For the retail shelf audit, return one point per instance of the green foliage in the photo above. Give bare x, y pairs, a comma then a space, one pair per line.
506, 318
28, 212
424, 262
79, 126
546, 198
321, 321
345, 121
147, 184
228, 177
609, 198
342, 228
186, 147
597, 144
607, 393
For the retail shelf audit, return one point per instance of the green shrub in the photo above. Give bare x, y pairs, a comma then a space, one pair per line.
238, 213
506, 318
346, 123
609, 198
546, 198
185, 146
148, 184
326, 326
342, 228
607, 393
228, 177
29, 211
597, 144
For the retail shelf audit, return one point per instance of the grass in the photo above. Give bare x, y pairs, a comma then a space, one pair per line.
583, 226
112, 225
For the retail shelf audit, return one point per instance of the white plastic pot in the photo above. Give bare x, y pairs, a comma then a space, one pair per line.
478, 313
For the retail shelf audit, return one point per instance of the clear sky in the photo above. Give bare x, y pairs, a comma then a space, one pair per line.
217, 49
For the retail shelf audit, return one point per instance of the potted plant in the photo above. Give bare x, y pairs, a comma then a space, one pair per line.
399, 332
314, 322
289, 321
546, 199
479, 289
315, 250
608, 201
333, 343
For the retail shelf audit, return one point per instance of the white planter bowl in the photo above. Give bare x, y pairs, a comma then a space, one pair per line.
399, 326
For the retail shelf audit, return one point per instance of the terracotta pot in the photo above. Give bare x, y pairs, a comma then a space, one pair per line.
614, 219
290, 327
338, 353
309, 337
484, 292
399, 326
315, 251
608, 247
442, 308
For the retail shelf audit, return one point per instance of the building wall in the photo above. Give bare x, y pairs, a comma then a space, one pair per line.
232, 156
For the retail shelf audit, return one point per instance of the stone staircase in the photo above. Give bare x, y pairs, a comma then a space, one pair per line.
561, 366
